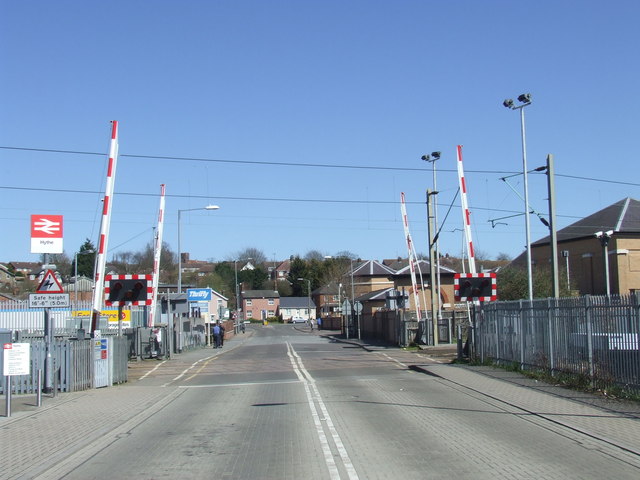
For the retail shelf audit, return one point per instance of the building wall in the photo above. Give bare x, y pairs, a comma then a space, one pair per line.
446, 289
253, 307
586, 264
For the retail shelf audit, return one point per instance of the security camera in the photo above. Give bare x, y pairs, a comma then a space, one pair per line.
508, 103
599, 234
435, 155
426, 158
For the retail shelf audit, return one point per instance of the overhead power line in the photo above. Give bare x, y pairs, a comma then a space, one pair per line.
306, 165
251, 199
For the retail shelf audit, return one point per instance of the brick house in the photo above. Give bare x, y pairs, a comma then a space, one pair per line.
327, 299
583, 253
260, 304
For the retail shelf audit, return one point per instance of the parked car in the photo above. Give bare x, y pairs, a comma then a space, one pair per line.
298, 320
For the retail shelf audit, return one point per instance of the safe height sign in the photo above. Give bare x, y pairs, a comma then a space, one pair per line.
46, 234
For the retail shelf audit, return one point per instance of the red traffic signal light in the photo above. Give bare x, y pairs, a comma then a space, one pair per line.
132, 289
475, 286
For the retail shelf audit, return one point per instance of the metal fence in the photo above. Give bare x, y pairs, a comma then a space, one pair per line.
593, 337
16, 315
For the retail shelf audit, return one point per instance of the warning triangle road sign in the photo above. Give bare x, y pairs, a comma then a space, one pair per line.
50, 284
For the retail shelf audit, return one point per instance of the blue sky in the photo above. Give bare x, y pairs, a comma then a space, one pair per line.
321, 111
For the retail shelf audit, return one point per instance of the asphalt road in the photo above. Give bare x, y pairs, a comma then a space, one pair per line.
290, 404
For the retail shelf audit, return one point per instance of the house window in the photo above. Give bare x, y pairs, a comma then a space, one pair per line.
335, 298
249, 313
249, 303
271, 302
271, 313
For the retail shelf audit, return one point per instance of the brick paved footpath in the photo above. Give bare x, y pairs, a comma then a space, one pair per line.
35, 439
597, 417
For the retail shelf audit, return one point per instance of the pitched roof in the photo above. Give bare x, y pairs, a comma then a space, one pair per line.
372, 268
621, 217
402, 267
296, 302
376, 295
260, 294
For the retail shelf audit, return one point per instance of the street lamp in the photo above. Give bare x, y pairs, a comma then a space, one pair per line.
525, 100
604, 238
208, 207
308, 298
235, 269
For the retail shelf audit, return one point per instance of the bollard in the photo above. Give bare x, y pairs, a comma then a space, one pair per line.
39, 389
8, 396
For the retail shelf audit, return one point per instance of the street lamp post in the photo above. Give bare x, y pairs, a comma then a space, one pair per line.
308, 299
235, 269
525, 100
604, 238
208, 207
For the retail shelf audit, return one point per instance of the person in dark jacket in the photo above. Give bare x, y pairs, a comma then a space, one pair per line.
216, 336
221, 335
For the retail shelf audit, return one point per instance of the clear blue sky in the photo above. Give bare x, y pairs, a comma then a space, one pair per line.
371, 85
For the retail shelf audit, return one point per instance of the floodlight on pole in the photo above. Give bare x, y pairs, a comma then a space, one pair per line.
525, 100
604, 238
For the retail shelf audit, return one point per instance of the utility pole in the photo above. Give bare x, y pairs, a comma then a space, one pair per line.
432, 265
552, 225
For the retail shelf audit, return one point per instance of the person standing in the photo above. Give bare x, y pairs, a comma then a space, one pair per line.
216, 336
221, 335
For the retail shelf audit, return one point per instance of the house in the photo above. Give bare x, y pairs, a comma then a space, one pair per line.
260, 304
581, 253
296, 307
327, 300
25, 269
6, 277
369, 276
282, 270
402, 280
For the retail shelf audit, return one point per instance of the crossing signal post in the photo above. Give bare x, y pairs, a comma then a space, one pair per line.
473, 287
127, 289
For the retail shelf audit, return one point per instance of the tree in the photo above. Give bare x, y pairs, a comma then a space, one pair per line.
513, 283
257, 256
253, 279
86, 258
346, 254
314, 255
298, 269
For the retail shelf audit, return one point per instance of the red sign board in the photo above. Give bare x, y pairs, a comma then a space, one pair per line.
46, 234
50, 284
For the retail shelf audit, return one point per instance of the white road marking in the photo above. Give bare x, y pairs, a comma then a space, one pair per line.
152, 370
313, 397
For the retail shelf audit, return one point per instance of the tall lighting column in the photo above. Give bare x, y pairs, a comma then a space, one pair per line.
208, 207
525, 100
432, 159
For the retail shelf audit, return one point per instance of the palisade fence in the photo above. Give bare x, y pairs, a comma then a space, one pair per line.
592, 337
73, 356
73, 364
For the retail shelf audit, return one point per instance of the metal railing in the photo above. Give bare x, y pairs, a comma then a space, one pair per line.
594, 337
